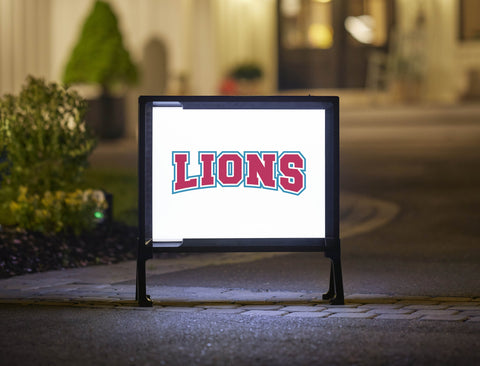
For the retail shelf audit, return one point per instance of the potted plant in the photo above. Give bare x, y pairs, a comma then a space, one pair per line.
100, 58
243, 79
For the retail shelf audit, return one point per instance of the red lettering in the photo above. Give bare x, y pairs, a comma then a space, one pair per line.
261, 169
291, 166
181, 183
207, 179
230, 169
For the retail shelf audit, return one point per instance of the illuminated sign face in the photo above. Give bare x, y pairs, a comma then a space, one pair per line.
237, 173
231, 169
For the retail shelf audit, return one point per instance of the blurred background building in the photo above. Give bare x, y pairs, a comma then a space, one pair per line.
382, 50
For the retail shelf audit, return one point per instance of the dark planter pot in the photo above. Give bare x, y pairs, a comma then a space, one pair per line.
106, 116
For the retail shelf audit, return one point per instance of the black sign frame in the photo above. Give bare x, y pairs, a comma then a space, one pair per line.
330, 245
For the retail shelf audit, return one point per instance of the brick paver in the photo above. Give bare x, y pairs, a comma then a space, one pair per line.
301, 308
378, 307
353, 315
309, 314
261, 307
398, 316
426, 307
390, 311
224, 311
345, 310
467, 308
436, 312
264, 313
445, 317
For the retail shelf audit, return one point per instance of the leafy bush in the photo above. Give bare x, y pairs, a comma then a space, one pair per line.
57, 211
44, 137
44, 147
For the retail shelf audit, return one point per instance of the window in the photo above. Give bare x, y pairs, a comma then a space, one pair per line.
306, 24
470, 20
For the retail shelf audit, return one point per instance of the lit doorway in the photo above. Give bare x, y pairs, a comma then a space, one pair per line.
327, 43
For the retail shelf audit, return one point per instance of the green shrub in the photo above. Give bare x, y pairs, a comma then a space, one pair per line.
44, 148
99, 56
57, 211
44, 138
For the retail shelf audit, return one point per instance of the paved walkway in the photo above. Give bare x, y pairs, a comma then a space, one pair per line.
458, 309
112, 286
105, 286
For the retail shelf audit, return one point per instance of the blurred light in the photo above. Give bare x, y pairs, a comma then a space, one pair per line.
320, 36
99, 215
323, 1
361, 28
290, 8
103, 216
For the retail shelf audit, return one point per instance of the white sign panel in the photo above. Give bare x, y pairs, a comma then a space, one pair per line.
237, 173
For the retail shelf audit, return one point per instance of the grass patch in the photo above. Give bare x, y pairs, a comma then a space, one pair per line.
122, 183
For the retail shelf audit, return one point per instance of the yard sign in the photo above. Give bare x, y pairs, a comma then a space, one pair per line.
238, 174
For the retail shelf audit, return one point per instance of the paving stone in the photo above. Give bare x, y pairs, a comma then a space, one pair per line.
426, 307
180, 309
328, 306
346, 310
309, 314
460, 303
261, 307
380, 306
470, 313
456, 317
353, 315
417, 302
463, 307
31, 288
436, 312
302, 308
224, 311
217, 306
390, 311
398, 316
264, 312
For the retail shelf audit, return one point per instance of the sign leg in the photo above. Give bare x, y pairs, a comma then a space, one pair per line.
141, 290
330, 294
335, 289
336, 270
